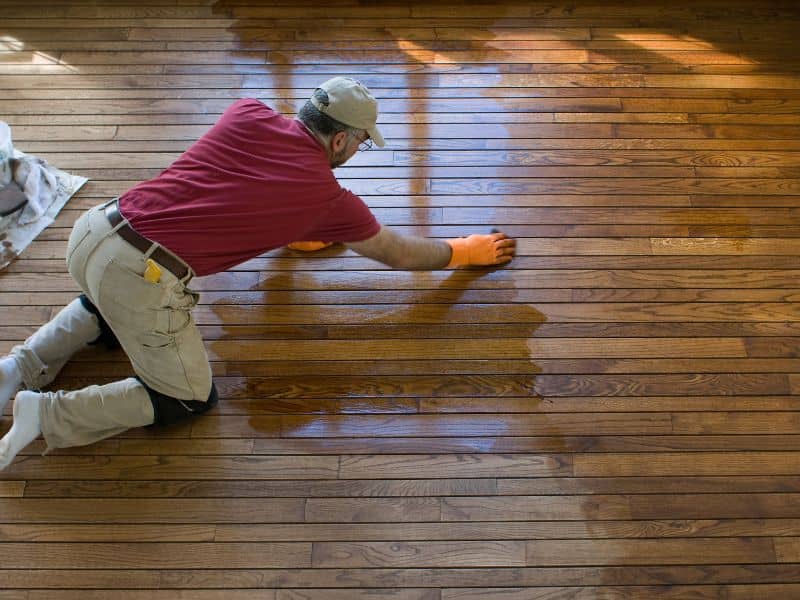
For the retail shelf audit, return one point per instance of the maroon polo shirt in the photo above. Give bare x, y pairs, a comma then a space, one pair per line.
256, 181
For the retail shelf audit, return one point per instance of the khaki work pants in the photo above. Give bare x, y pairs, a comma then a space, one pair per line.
152, 322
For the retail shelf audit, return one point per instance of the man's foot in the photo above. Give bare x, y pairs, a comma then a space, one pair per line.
308, 246
25, 429
10, 380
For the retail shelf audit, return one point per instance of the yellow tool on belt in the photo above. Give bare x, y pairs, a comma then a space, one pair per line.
152, 272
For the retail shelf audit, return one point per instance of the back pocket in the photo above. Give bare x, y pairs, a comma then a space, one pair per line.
131, 304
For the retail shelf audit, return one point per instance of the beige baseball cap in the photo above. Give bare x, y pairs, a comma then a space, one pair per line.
351, 103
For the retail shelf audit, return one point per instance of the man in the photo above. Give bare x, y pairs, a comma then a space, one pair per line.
256, 181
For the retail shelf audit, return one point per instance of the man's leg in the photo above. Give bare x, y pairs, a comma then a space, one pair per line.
36, 362
91, 414
154, 325
76, 418
10, 380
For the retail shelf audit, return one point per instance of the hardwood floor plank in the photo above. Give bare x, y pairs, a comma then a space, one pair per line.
102, 533
320, 594
788, 549
739, 484
477, 313
376, 467
747, 463
491, 530
159, 467
643, 552
467, 425
605, 508
125, 594
404, 555
449, 445
58, 579
480, 349
628, 593
646, 484
167, 511
175, 579
361, 510
12, 489
588, 186
732, 423
456, 445
794, 382
675, 404
727, 505
267, 488
544, 385
157, 555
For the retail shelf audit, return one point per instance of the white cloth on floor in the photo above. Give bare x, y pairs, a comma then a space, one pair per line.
6, 152
46, 189
38, 180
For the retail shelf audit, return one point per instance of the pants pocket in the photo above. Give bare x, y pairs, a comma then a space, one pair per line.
155, 358
131, 305
175, 365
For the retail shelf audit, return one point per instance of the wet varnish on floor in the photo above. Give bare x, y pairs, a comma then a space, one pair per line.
616, 414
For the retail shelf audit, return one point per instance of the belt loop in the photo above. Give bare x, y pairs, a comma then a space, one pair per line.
154, 246
188, 277
122, 222
118, 226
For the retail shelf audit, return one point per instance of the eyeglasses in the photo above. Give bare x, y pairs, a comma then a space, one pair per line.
363, 145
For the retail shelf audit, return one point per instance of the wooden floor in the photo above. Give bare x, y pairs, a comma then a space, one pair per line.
615, 415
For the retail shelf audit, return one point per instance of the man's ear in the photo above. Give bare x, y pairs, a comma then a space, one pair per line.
338, 141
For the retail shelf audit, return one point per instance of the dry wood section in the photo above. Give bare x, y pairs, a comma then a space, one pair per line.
616, 414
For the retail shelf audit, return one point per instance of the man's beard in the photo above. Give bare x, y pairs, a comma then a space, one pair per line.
338, 159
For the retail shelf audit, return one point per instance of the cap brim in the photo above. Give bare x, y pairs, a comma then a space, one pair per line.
376, 137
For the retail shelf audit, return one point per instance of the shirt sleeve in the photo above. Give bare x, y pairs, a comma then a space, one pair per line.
349, 220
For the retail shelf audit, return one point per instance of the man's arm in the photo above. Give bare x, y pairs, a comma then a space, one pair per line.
420, 253
410, 253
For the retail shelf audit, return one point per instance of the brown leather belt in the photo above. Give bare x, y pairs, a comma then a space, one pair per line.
173, 264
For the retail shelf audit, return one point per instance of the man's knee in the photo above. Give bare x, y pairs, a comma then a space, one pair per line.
167, 410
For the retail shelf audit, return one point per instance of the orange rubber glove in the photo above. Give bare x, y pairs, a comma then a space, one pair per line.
481, 250
308, 246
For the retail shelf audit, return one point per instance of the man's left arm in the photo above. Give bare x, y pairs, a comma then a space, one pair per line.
421, 253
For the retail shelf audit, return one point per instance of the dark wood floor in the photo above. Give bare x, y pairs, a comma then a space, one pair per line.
615, 415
